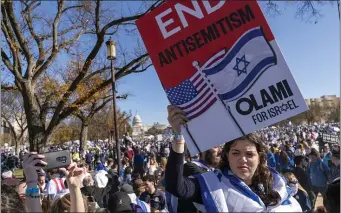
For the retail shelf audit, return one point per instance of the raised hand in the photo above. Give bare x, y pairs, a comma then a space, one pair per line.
176, 117
30, 162
73, 175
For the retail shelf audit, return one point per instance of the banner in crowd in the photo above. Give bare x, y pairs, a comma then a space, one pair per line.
219, 62
330, 138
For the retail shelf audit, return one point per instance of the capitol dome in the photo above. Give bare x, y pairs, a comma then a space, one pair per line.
137, 120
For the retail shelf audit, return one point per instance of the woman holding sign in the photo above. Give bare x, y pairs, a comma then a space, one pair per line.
243, 183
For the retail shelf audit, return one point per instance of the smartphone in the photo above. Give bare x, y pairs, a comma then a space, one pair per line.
57, 159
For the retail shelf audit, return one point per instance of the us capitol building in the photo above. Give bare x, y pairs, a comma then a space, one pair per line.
139, 129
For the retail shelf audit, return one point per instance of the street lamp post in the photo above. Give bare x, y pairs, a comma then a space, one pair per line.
111, 55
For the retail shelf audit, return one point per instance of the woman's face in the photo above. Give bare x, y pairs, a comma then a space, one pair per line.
326, 149
243, 159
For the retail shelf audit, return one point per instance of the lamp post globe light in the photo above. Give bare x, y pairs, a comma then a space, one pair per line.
111, 49
111, 55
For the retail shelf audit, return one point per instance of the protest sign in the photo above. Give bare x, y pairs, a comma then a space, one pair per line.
219, 62
18, 173
329, 138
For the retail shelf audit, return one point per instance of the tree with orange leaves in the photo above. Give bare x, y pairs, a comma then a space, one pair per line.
39, 41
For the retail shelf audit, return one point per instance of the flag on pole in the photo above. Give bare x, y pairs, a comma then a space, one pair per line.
194, 96
241, 66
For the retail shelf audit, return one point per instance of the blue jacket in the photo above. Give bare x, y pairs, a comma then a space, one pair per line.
327, 158
138, 160
318, 173
271, 160
277, 159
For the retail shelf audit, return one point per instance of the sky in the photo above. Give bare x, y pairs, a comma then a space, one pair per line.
311, 51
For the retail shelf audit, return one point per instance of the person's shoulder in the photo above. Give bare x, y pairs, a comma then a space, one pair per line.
191, 168
189, 165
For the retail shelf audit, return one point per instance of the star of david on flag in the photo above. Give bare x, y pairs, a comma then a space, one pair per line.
194, 96
236, 71
241, 62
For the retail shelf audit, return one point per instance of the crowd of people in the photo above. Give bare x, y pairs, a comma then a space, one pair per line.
280, 169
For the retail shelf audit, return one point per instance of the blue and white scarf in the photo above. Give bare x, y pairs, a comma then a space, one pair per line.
172, 201
225, 192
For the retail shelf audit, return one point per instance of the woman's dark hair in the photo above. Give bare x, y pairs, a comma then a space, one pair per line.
124, 162
63, 204
262, 177
10, 200
46, 204
283, 156
298, 160
149, 178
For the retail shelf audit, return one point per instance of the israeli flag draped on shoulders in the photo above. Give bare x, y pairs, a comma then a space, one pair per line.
224, 192
232, 73
172, 201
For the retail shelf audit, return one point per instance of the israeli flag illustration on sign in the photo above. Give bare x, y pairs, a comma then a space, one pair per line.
233, 73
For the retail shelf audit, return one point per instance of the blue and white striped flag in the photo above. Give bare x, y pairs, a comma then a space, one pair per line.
234, 73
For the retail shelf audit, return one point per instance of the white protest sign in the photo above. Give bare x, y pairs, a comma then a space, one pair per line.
220, 63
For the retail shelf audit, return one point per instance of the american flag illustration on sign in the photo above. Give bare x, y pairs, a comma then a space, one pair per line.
194, 96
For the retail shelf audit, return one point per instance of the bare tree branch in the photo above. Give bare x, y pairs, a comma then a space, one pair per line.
11, 127
105, 102
14, 47
130, 18
55, 46
6, 61
97, 24
97, 72
15, 26
120, 73
61, 33
72, 7
8, 88
55, 25
135, 70
56, 117
54, 54
29, 22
